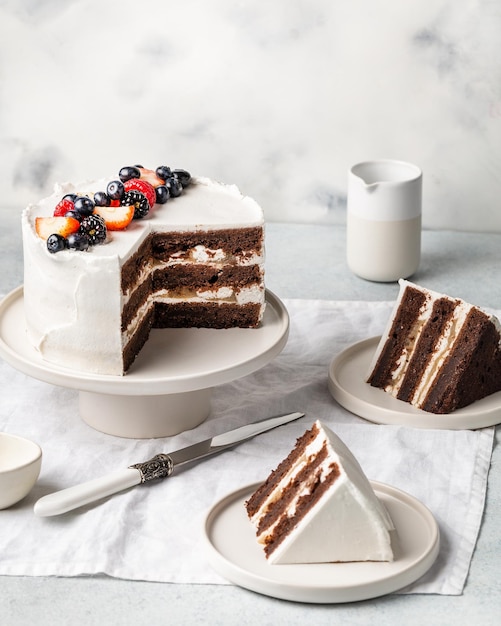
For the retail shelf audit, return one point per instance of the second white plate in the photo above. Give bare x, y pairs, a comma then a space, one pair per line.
234, 552
347, 373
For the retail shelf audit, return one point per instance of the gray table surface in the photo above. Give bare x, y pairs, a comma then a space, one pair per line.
303, 261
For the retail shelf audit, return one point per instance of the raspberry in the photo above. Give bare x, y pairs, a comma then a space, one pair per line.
143, 186
63, 207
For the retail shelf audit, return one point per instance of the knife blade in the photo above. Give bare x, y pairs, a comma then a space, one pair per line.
160, 466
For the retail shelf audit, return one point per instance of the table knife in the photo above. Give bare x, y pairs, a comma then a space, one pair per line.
160, 466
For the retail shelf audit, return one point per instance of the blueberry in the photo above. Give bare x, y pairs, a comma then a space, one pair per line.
101, 198
74, 215
174, 186
84, 205
163, 172
78, 241
70, 196
162, 194
183, 177
115, 189
56, 243
128, 172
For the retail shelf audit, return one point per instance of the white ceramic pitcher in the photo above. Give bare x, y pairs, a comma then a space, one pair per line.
384, 220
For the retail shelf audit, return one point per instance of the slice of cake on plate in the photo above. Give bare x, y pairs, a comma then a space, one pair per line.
107, 260
318, 506
437, 352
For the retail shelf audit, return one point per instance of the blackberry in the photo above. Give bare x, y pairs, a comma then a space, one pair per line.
138, 200
95, 228
56, 243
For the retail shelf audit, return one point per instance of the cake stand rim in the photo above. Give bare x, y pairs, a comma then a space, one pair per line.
133, 384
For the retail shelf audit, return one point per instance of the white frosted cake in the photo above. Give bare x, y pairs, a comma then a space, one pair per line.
194, 259
318, 506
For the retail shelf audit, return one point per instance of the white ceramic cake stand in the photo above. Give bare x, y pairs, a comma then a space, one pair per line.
168, 388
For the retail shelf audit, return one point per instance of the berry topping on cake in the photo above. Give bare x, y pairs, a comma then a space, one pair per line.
146, 188
128, 172
183, 177
151, 177
56, 243
101, 198
174, 186
78, 241
63, 207
84, 205
137, 200
162, 194
115, 189
79, 222
47, 226
95, 228
116, 217
163, 171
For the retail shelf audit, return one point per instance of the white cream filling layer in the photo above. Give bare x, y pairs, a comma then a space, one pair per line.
202, 254
247, 295
409, 348
442, 351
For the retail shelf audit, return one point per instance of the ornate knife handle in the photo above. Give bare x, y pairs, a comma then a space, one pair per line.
160, 466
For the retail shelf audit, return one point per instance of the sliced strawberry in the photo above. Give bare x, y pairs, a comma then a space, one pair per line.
151, 177
116, 217
64, 226
144, 187
63, 207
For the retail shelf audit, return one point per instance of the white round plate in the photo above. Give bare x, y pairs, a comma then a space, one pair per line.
174, 360
234, 552
347, 373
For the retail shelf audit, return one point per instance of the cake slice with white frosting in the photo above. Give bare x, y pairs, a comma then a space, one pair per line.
437, 353
318, 506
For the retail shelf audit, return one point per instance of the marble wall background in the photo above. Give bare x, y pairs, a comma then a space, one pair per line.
278, 96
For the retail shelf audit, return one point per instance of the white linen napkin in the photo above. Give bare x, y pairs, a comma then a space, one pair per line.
154, 532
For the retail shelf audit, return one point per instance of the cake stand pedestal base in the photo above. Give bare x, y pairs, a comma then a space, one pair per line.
145, 417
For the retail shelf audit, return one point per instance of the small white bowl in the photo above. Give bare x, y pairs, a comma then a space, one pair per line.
20, 463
